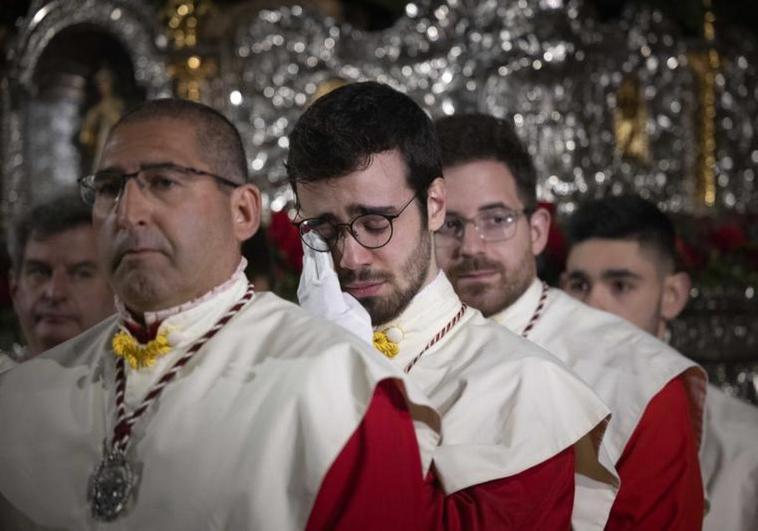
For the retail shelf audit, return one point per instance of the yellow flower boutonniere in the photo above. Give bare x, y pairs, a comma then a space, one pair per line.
383, 344
139, 355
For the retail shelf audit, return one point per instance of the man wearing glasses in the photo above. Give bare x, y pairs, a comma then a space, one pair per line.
487, 245
202, 405
365, 166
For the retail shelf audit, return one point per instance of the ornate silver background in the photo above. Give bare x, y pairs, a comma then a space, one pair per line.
548, 64
45, 130
544, 62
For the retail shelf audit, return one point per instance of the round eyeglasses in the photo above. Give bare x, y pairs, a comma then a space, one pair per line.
371, 230
492, 225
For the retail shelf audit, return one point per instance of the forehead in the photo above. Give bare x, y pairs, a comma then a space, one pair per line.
72, 245
472, 185
382, 183
596, 256
151, 140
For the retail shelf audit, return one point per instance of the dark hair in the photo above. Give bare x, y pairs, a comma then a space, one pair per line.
624, 217
341, 131
472, 137
217, 138
47, 218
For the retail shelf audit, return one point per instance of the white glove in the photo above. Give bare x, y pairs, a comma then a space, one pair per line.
319, 292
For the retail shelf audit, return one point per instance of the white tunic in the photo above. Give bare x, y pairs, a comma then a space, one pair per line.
242, 439
624, 365
12, 357
730, 463
6, 362
506, 405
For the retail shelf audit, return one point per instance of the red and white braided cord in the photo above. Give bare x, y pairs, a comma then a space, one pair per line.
439, 335
538, 312
123, 430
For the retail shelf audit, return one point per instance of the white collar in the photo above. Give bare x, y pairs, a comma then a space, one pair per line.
161, 315
186, 322
428, 312
516, 316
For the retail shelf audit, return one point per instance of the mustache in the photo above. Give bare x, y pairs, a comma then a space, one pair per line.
349, 276
127, 241
473, 264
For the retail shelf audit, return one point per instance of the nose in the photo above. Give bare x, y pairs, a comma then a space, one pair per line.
351, 254
132, 205
57, 288
598, 298
471, 241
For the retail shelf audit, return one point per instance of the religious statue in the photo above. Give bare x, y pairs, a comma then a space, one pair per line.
630, 121
101, 116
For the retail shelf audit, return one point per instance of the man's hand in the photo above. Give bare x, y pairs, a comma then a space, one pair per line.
319, 292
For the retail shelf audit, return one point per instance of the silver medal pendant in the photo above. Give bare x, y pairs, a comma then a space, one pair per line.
110, 486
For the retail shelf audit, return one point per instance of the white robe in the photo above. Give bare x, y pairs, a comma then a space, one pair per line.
241, 439
6, 362
15, 355
624, 365
730, 463
506, 405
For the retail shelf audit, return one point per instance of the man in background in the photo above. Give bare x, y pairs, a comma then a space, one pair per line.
622, 260
57, 285
487, 245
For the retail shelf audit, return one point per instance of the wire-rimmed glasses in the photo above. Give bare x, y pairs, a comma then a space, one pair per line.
164, 181
492, 225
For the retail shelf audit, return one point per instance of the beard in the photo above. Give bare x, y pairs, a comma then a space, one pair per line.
413, 271
495, 296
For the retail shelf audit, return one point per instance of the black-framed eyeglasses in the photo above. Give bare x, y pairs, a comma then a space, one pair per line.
371, 230
103, 189
492, 225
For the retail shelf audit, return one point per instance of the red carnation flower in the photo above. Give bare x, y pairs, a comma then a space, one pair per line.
728, 237
284, 236
690, 258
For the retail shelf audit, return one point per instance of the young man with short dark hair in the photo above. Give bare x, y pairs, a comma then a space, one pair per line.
622, 259
365, 166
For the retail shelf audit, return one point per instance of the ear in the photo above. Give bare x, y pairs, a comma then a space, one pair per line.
676, 293
539, 228
436, 200
245, 205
